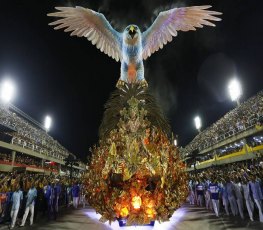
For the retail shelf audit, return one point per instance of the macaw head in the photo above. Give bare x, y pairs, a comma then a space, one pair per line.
132, 33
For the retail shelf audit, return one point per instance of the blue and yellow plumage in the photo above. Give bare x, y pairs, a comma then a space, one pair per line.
132, 46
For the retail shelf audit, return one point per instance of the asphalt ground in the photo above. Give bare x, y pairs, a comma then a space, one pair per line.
186, 218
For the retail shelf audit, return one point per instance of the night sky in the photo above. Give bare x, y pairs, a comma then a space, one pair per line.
69, 79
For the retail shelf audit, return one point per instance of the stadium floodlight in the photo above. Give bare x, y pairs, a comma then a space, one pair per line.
48, 122
198, 123
7, 91
235, 90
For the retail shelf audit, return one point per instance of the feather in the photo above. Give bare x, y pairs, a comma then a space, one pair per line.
169, 22
118, 101
87, 23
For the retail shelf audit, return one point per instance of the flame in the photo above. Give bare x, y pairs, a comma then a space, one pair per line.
136, 202
146, 141
150, 212
124, 212
151, 204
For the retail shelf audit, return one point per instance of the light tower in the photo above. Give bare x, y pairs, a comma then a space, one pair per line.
48, 122
235, 90
7, 91
198, 123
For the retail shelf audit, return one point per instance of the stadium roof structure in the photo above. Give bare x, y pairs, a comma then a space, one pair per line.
25, 116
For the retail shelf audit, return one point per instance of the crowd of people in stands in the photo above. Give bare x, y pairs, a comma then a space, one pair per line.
205, 157
256, 141
230, 149
233, 189
26, 161
39, 195
29, 135
5, 157
249, 113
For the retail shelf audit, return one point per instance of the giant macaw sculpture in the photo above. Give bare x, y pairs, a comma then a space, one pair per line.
132, 46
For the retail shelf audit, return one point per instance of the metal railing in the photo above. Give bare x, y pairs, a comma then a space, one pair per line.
36, 148
230, 133
27, 117
8, 120
213, 141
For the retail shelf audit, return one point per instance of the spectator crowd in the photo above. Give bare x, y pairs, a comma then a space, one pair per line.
41, 196
29, 135
248, 114
26, 161
234, 189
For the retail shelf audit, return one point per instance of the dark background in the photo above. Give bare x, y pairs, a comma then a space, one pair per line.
68, 78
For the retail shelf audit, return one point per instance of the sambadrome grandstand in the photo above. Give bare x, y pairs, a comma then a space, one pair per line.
238, 136
26, 146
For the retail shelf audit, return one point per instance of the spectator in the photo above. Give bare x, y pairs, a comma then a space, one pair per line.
247, 115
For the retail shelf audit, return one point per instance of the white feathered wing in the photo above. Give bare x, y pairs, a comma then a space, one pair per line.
166, 25
94, 26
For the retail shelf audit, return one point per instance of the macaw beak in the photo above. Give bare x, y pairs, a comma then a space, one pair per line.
132, 28
132, 31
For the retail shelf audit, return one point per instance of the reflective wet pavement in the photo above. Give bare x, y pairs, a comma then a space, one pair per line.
186, 218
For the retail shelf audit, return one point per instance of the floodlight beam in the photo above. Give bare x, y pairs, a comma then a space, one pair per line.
7, 91
198, 123
235, 90
48, 122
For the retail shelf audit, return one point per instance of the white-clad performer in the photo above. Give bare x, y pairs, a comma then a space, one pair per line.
30, 204
239, 197
248, 198
257, 195
231, 196
16, 199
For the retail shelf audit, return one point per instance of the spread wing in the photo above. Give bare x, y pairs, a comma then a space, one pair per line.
166, 25
92, 25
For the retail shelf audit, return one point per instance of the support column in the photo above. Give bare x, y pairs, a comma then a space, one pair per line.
59, 168
13, 158
215, 157
245, 145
